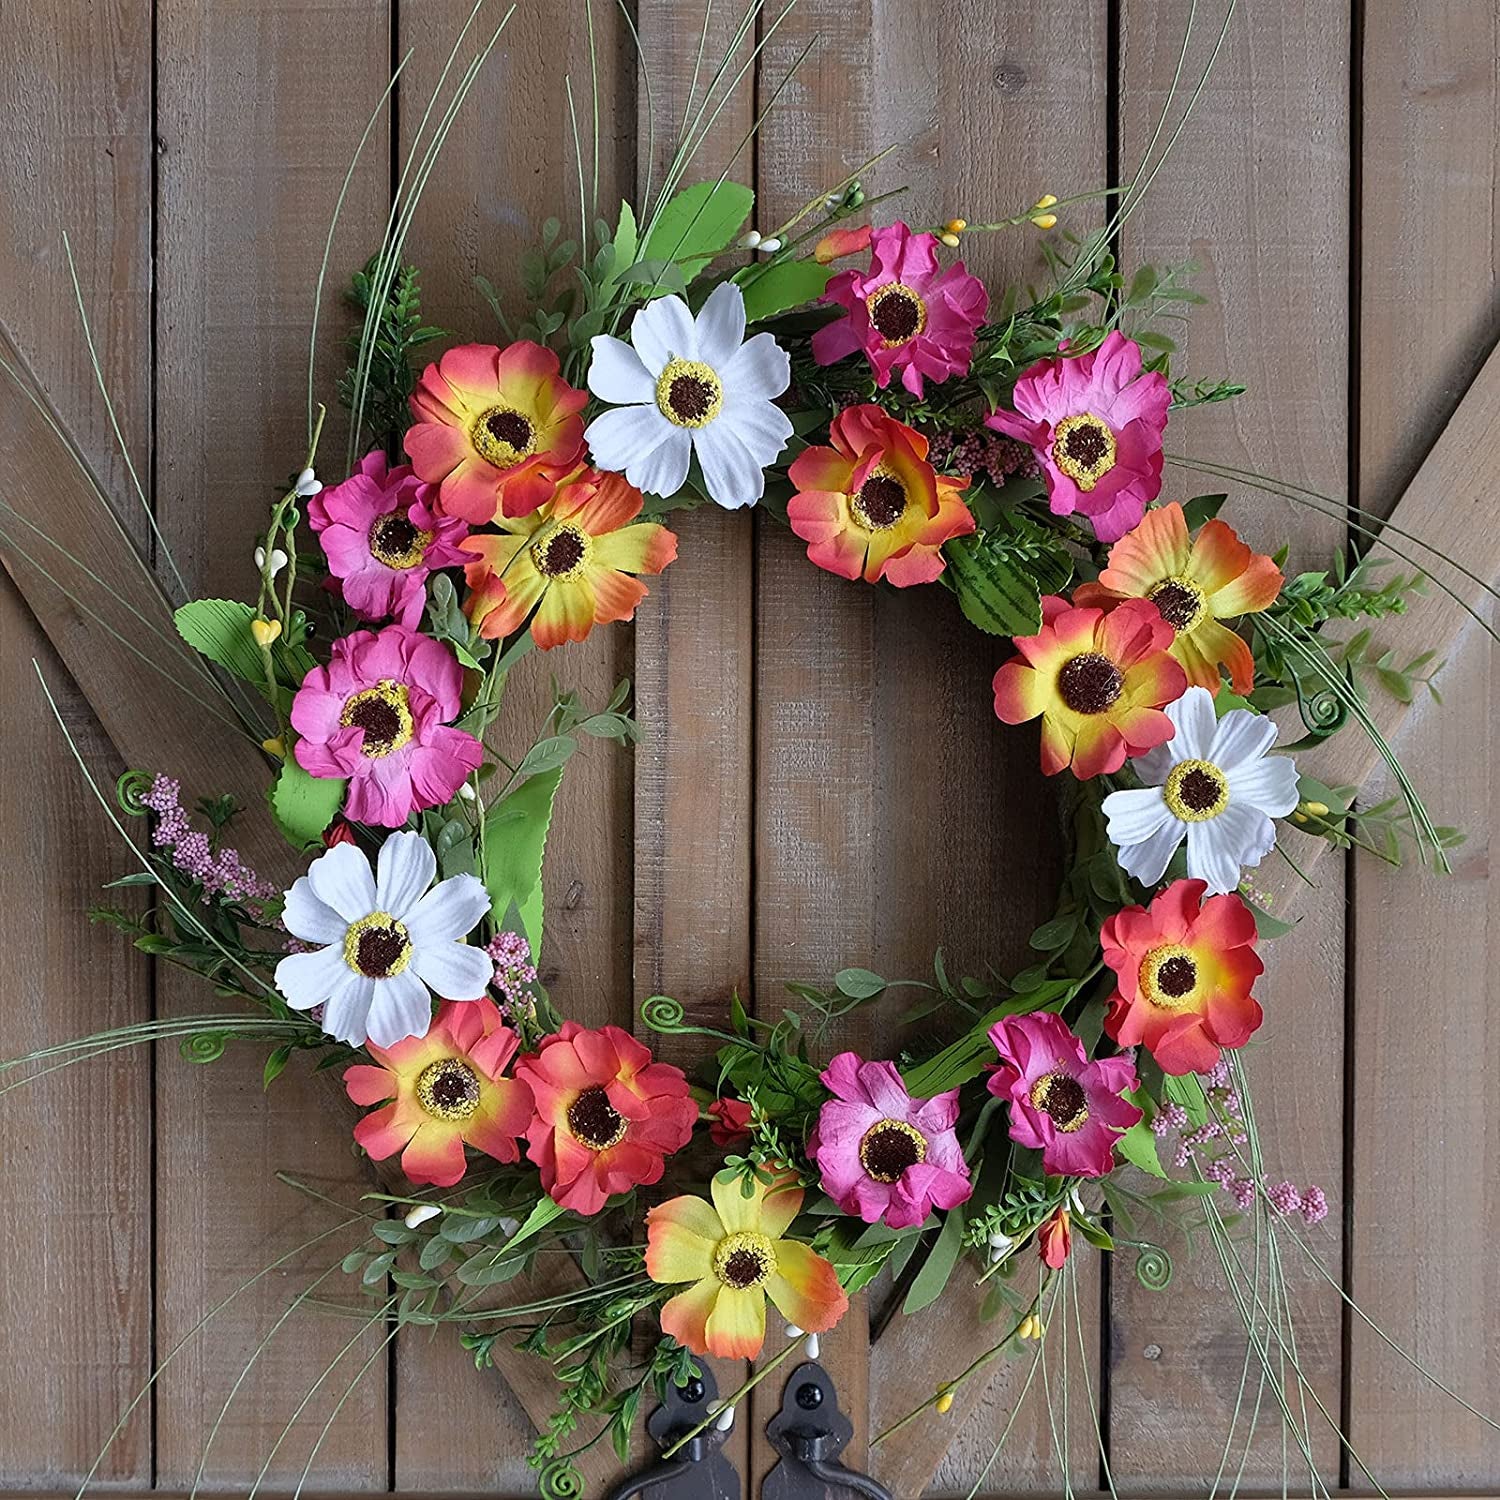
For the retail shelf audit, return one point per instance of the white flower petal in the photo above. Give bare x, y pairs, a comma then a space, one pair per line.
1241, 736
760, 426
348, 1009
720, 325
663, 470
1148, 860
309, 979
759, 367
456, 971
1269, 785
1155, 765
733, 477
406, 867
341, 879
625, 436
314, 921
1133, 816
447, 912
663, 330
617, 375
401, 1007
1219, 847
1193, 714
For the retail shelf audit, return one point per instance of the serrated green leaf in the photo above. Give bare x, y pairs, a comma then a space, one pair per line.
698, 224
220, 630
994, 593
783, 286
515, 839
304, 805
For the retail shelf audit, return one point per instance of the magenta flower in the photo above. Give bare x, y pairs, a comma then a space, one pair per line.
1061, 1103
905, 312
378, 715
1095, 423
883, 1155
382, 537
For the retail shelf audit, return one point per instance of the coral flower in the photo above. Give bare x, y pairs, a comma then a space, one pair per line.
567, 566
730, 1123
382, 539
906, 313
442, 1092
1095, 423
1062, 1104
733, 1252
378, 714
882, 1155
1185, 967
1196, 584
1098, 680
607, 1116
1055, 1239
496, 429
872, 506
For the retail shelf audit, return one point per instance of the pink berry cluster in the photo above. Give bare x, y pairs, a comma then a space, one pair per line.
221, 873
980, 454
1221, 1165
514, 972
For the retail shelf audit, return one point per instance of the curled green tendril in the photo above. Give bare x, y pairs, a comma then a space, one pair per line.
1323, 711
663, 1013
203, 1046
561, 1480
1153, 1268
130, 789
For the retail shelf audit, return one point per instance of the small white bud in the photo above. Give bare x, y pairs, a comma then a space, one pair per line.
793, 1332
467, 792
308, 483
508, 1227
725, 1420
750, 239
419, 1215
812, 1346
770, 246
260, 557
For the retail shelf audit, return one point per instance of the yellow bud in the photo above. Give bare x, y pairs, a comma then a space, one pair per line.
1299, 817
1031, 1327
265, 631
274, 746
944, 1403
1039, 217
1045, 221
1046, 200
950, 240
1317, 809
956, 226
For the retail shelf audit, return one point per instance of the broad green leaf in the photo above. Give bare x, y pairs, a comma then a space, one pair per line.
220, 630
515, 839
858, 984
927, 1286
994, 593
1138, 1145
1188, 1092
698, 224
783, 286
304, 805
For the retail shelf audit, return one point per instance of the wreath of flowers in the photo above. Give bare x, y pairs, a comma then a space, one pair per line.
915, 428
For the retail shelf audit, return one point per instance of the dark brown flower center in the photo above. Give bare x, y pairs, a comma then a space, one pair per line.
384, 715
1169, 977
897, 313
1062, 1099
1196, 791
504, 436
560, 552
688, 393
1176, 976
889, 1147
508, 427
377, 946
881, 502
1089, 684
690, 398
396, 542
744, 1260
1083, 447
593, 1121
448, 1089
1181, 604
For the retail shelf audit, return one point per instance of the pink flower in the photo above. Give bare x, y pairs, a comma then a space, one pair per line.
905, 312
1095, 424
378, 715
1061, 1103
882, 1154
382, 537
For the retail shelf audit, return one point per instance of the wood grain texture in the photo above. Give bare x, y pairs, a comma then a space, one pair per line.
1276, 112
1426, 1202
260, 105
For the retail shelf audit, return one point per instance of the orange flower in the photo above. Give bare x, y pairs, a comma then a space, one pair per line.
871, 505
733, 1253
1055, 1239
1098, 681
1196, 584
566, 566
496, 429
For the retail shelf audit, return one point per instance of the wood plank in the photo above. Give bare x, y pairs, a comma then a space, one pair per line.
1276, 110
260, 106
1429, 308
75, 1327
895, 814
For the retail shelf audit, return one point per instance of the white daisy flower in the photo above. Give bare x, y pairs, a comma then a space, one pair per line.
691, 385
1211, 783
388, 942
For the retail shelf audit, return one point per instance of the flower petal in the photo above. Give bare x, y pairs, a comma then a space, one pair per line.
456, 971
736, 1327
314, 921
447, 912
805, 1288
341, 879
720, 325
680, 1239
1193, 714
760, 367
663, 331
617, 375
404, 870
401, 1007
685, 1316
1242, 737
627, 436
1270, 785
733, 477
309, 979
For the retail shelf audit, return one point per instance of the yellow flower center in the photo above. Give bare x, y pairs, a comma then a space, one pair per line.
889, 1147
593, 1121
377, 946
689, 394
396, 542
384, 715
1062, 1099
1196, 791
1090, 683
448, 1089
1169, 977
1083, 447
745, 1260
562, 551
897, 313
503, 436
1180, 601
881, 502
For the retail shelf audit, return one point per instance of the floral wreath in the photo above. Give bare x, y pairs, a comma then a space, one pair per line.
914, 428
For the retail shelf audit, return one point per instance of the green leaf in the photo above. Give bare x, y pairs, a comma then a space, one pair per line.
515, 839
627, 239
994, 594
927, 1286
541, 1215
698, 224
1202, 509
304, 805
858, 984
275, 1064
1138, 1145
1188, 1092
785, 285
220, 630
